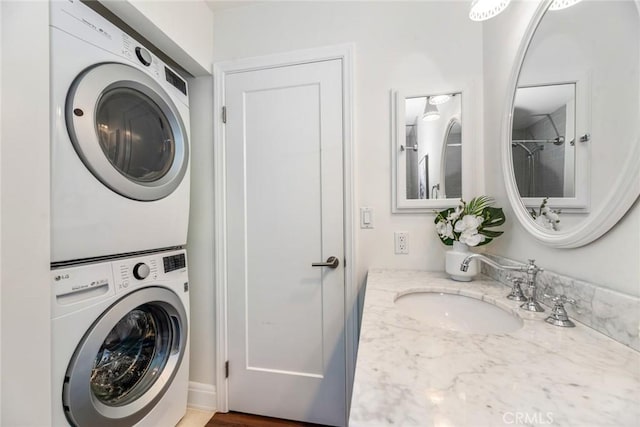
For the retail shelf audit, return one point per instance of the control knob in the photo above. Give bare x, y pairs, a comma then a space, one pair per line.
143, 55
141, 271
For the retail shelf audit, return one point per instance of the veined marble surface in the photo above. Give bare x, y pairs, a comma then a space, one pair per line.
612, 313
410, 374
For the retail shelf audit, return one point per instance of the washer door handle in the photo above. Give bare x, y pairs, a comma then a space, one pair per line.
332, 262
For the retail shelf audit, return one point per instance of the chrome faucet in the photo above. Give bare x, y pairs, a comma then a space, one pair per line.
531, 270
465, 263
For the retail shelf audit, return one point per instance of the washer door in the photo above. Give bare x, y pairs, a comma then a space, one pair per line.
127, 131
127, 360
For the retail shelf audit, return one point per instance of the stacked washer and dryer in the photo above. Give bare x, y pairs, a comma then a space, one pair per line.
119, 217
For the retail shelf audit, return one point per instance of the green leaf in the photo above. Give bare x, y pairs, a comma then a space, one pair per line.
489, 233
484, 243
493, 217
442, 215
447, 241
478, 204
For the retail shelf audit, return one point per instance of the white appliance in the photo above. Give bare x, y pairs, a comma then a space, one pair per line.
120, 141
120, 342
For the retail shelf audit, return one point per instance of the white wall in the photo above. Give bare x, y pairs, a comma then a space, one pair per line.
181, 29
24, 155
611, 261
0, 212
201, 234
426, 46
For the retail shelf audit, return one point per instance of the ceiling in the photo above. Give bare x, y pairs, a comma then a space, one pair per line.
414, 107
216, 5
532, 103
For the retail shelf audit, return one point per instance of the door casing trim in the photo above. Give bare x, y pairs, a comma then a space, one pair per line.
345, 53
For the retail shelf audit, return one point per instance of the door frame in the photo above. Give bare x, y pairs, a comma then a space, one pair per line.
345, 53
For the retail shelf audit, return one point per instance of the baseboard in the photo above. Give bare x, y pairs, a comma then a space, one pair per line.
202, 397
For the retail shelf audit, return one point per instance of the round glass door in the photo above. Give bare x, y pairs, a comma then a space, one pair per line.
127, 360
134, 135
131, 356
127, 131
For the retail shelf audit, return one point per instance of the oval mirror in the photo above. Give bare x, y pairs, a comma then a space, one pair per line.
571, 134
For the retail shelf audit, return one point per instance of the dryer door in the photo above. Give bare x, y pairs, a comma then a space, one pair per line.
127, 360
127, 131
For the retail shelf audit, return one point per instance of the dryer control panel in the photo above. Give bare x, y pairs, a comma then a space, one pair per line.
77, 19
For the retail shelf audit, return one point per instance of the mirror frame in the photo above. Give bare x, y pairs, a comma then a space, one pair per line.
608, 211
399, 201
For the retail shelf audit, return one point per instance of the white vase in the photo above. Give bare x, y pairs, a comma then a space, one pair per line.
453, 261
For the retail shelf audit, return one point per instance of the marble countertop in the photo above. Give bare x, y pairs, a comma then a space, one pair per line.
410, 374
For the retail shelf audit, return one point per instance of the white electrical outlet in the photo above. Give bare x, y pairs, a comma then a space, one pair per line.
401, 242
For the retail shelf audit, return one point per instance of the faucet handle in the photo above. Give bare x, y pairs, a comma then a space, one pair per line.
558, 316
533, 267
560, 299
516, 293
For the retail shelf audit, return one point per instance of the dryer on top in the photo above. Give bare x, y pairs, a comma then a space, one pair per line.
120, 141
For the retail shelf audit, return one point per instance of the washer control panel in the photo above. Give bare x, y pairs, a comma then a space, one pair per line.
87, 284
145, 270
132, 272
143, 56
141, 271
174, 262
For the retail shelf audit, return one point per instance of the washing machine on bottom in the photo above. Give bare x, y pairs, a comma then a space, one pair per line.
120, 333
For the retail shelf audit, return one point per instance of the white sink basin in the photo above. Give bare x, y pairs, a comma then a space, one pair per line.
458, 313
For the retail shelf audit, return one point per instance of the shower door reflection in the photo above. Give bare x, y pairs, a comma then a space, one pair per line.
543, 140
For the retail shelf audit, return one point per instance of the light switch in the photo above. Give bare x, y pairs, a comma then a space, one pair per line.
366, 218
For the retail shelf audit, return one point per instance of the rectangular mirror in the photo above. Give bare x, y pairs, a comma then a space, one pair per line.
543, 143
427, 151
548, 153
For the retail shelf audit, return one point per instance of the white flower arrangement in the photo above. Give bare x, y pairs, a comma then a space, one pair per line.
468, 222
546, 217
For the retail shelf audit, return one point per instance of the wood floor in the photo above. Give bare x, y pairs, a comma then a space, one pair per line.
237, 419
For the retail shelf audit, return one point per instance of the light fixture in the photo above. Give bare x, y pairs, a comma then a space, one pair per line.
431, 112
439, 99
481, 10
563, 4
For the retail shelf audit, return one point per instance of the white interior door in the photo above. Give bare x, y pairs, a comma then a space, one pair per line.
284, 186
